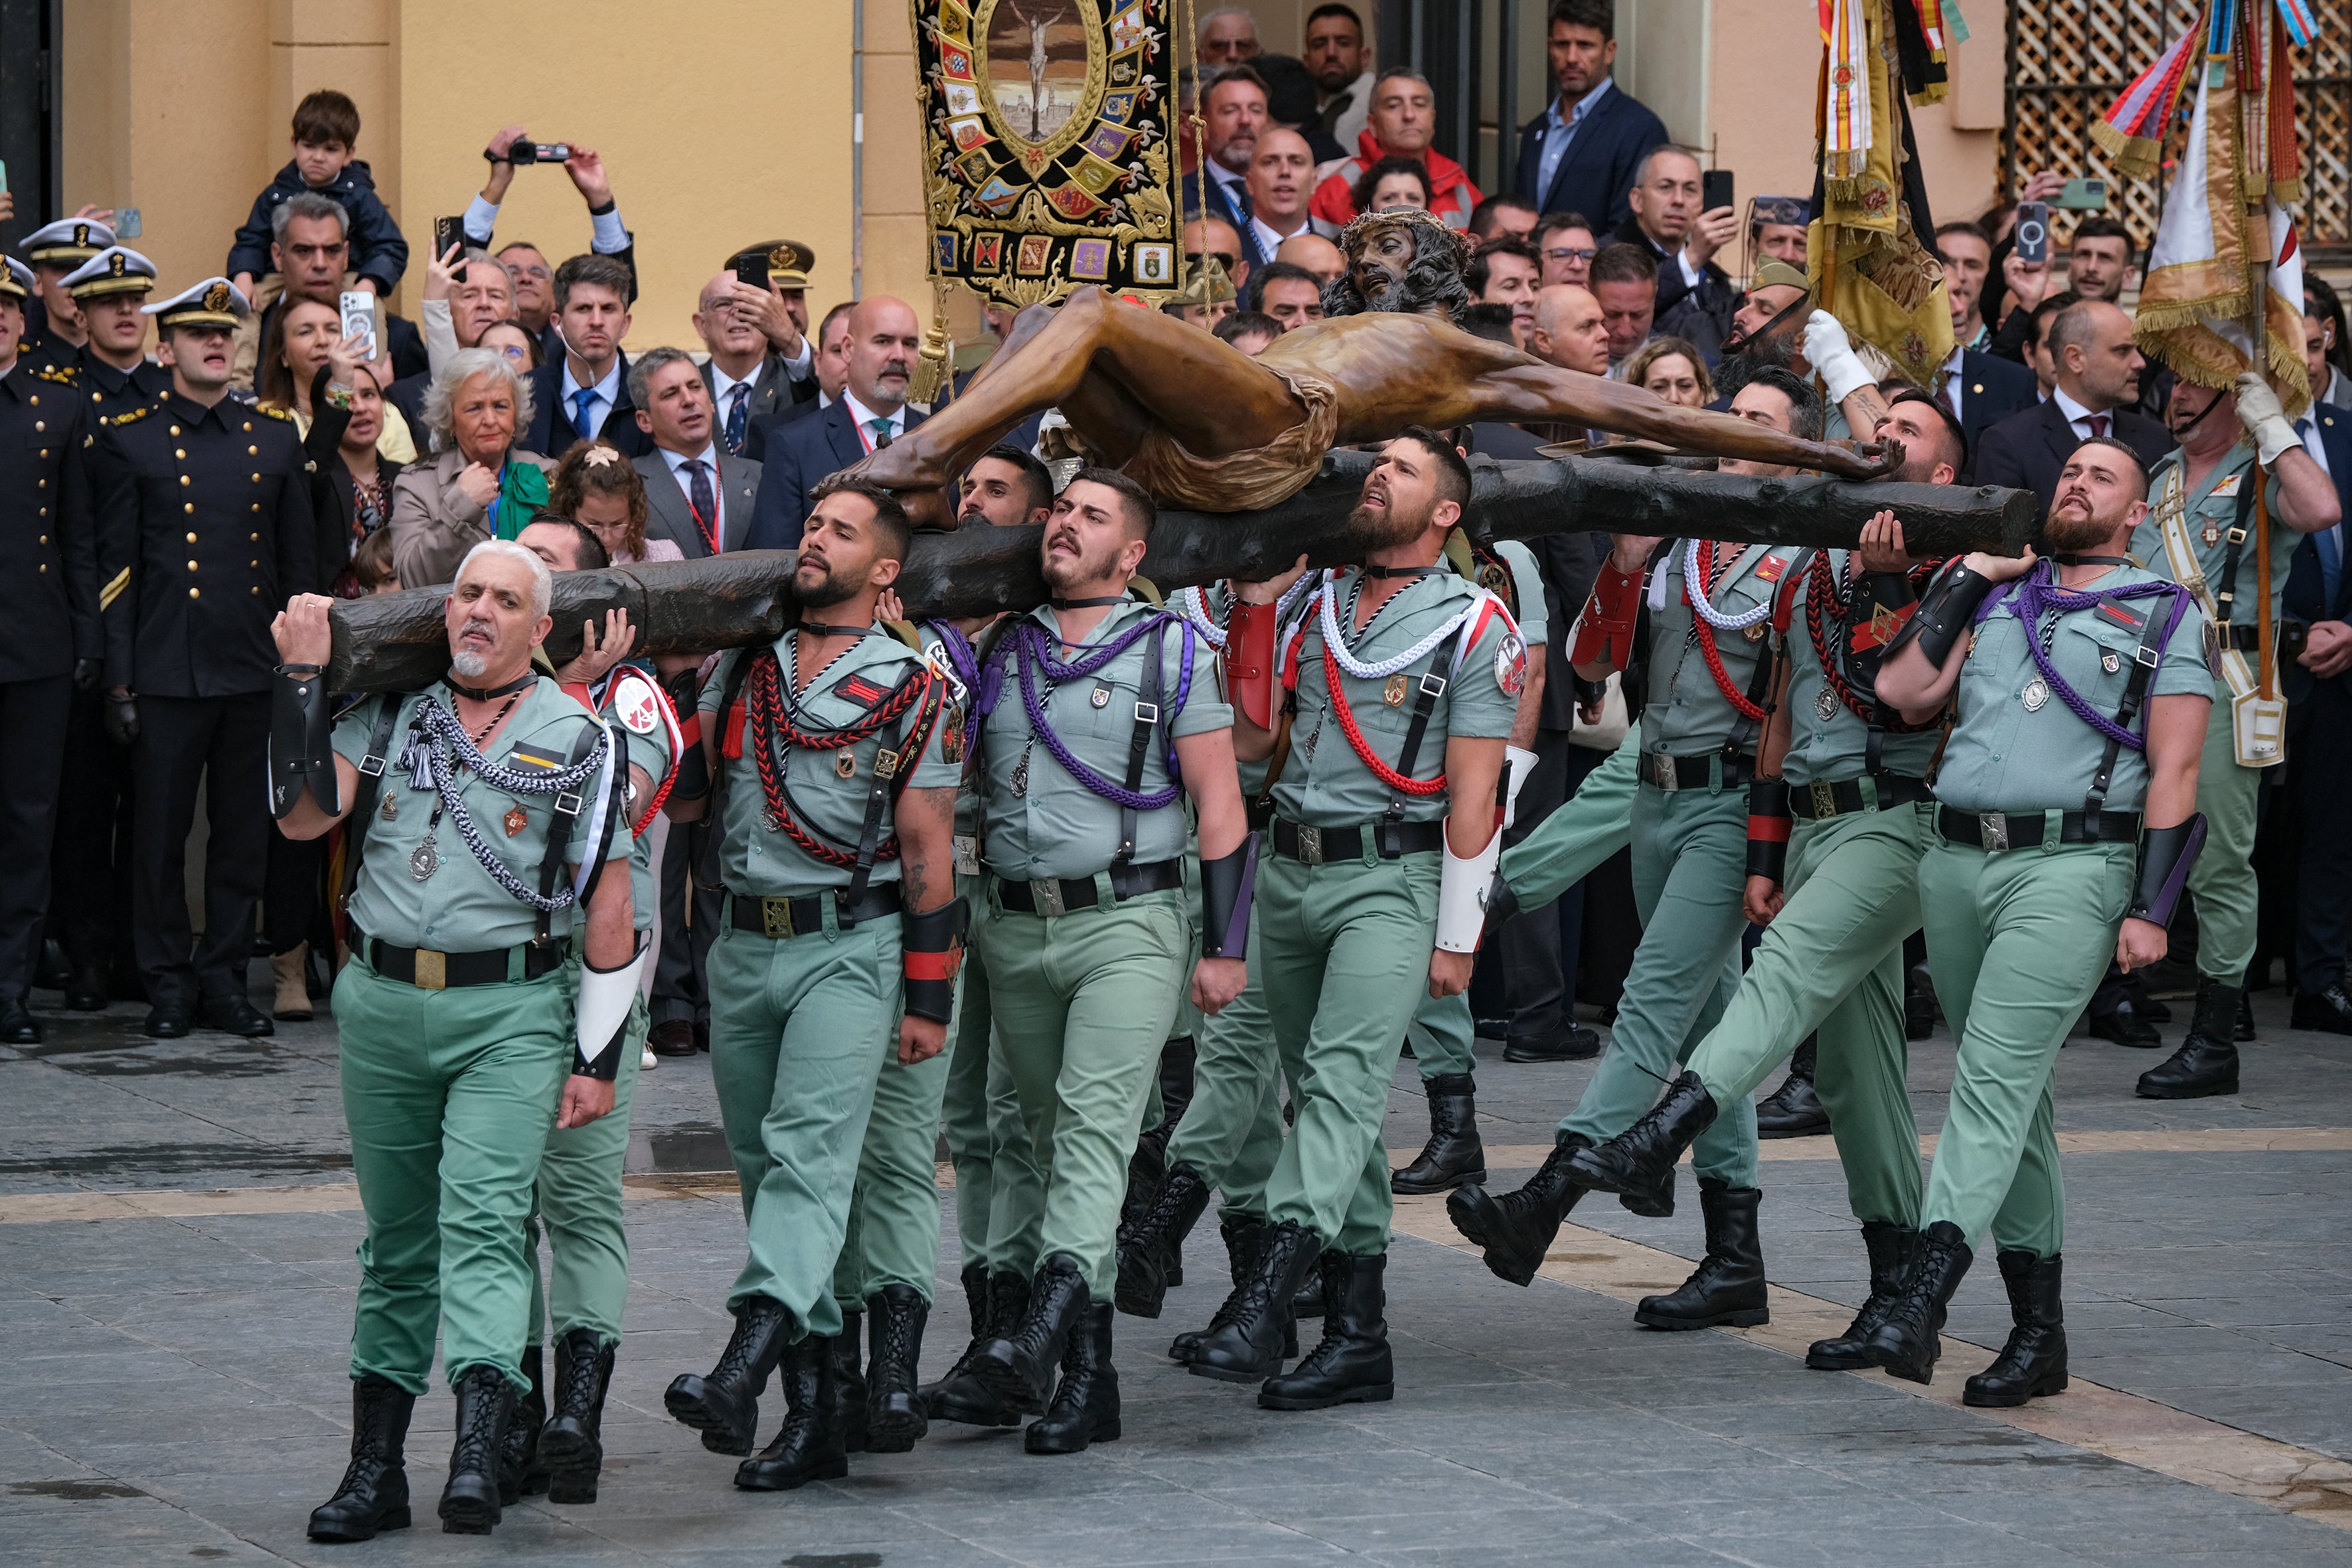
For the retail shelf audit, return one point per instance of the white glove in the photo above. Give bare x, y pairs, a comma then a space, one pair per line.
2265, 417
1831, 353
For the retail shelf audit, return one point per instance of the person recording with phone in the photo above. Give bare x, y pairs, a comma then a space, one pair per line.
608, 235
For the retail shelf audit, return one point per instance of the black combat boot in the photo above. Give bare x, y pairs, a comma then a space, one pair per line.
1515, 1230
1454, 1154
520, 1475
373, 1494
1890, 1253
1244, 1238
572, 1444
1017, 1367
2033, 1363
1794, 1110
998, 1302
1247, 1342
1728, 1286
1147, 1249
485, 1404
1641, 1159
2207, 1062
2242, 1028
1350, 1365
1306, 1301
1086, 1403
807, 1447
725, 1406
1906, 1341
894, 1419
846, 1407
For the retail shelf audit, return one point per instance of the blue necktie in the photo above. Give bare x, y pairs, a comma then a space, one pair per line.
581, 402
737, 397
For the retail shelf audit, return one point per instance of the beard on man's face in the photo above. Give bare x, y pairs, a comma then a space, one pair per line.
1775, 349
831, 588
2068, 533
1385, 527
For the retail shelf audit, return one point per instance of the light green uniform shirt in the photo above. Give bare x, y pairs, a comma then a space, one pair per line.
1053, 825
1325, 784
2212, 509
756, 859
2019, 747
459, 907
1684, 714
1828, 743
1526, 583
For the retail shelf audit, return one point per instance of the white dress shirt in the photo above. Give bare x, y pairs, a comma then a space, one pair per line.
863, 418
2078, 417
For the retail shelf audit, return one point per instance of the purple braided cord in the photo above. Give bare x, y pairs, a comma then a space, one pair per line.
964, 660
1035, 647
2038, 593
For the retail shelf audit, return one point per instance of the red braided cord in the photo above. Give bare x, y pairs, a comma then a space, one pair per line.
1732, 694
765, 710
1381, 770
1824, 587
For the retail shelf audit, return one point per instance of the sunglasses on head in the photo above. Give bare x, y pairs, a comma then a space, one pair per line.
1222, 258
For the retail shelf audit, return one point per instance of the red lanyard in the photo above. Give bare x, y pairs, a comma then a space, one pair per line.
1732, 694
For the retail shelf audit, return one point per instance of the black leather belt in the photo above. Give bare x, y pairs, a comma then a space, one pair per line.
1999, 830
430, 971
1816, 801
784, 918
1695, 773
1060, 895
1331, 846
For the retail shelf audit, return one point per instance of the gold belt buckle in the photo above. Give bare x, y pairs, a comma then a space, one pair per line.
776, 919
1825, 799
1310, 844
432, 970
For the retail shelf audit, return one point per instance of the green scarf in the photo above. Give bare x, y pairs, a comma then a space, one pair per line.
522, 495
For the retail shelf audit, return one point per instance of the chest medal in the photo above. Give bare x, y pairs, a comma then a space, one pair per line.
424, 859
1826, 705
2211, 534
2036, 693
844, 764
2111, 662
390, 810
515, 821
1394, 692
1754, 632
1021, 774
1100, 697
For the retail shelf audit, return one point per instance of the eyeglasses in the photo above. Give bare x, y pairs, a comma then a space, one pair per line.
542, 273
1570, 253
515, 351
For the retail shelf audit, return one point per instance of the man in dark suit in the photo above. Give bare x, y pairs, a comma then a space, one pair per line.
1695, 298
700, 494
885, 338
1580, 153
2099, 370
2318, 686
1983, 390
761, 360
1235, 113
584, 394
829, 369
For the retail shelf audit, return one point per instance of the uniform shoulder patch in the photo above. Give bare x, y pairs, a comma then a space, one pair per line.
1511, 664
862, 689
130, 416
634, 705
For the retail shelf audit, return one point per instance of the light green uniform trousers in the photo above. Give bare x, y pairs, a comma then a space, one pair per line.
801, 1030
578, 1203
1232, 1131
2222, 881
449, 1096
999, 1192
894, 1213
1346, 948
2018, 941
1690, 867
1082, 1005
1590, 825
1833, 960
1442, 1036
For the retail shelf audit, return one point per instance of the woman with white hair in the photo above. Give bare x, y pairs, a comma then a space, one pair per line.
477, 485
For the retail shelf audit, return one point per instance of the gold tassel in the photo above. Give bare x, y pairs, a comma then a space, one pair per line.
932, 367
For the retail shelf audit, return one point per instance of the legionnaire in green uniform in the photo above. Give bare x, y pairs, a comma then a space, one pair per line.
2083, 699
469, 809
1100, 715
1708, 689
999, 1193
2200, 533
1374, 892
835, 769
561, 1446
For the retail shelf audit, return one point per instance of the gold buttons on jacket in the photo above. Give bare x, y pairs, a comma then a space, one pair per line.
192, 565
191, 539
187, 506
179, 451
253, 451
193, 593
185, 479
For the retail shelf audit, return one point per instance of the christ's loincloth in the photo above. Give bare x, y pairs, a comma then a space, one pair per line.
1242, 481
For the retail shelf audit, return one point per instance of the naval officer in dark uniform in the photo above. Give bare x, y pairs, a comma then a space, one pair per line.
205, 531
48, 630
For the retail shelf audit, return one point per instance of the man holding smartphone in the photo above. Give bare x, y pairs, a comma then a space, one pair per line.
1695, 298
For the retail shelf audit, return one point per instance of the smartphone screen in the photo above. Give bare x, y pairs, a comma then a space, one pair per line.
126, 223
2032, 231
1714, 190
751, 267
359, 316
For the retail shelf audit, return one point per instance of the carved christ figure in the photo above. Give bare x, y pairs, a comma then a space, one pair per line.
1036, 26
1207, 428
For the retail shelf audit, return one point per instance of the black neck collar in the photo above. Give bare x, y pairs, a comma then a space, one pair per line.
1370, 571
1099, 601
820, 629
492, 694
2092, 560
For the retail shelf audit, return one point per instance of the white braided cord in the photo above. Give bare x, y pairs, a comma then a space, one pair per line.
1694, 587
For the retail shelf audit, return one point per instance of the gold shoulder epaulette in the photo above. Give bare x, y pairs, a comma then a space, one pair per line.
129, 415
273, 413
62, 373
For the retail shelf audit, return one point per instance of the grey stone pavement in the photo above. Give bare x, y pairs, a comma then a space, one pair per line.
173, 1388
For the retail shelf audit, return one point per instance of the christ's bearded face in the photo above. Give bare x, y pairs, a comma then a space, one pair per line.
1378, 265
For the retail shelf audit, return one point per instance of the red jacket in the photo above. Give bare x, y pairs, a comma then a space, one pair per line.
1451, 197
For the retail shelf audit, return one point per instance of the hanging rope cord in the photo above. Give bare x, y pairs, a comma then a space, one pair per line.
2038, 594
439, 747
1698, 573
1338, 657
1036, 652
